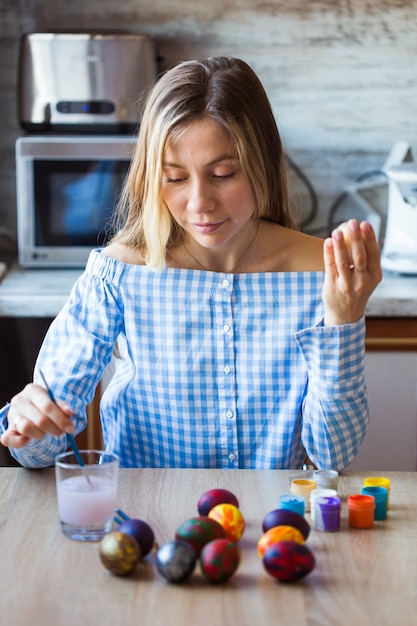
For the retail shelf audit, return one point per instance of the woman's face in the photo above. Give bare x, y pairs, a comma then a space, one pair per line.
204, 187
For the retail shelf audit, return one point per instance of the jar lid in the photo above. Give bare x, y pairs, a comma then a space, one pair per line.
328, 502
361, 501
304, 482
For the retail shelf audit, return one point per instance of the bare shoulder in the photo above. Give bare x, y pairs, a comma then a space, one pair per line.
123, 253
289, 250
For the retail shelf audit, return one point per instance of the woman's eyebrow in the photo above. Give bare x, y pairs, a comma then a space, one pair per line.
226, 157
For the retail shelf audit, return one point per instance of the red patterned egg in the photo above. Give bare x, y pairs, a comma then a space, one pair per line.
276, 534
198, 531
219, 560
232, 520
211, 498
288, 561
285, 517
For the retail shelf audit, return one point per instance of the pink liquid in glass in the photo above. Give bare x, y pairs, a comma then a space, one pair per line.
82, 504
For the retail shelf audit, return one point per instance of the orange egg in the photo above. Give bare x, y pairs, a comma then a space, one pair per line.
276, 534
232, 520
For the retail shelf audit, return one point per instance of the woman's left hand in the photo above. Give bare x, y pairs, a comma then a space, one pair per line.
352, 271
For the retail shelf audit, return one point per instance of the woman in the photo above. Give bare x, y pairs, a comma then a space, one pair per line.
244, 338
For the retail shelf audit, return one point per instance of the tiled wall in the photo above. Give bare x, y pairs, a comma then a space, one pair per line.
340, 73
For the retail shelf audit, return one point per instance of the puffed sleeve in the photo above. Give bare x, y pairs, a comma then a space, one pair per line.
335, 411
75, 352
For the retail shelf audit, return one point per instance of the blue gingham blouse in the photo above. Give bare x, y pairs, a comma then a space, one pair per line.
218, 371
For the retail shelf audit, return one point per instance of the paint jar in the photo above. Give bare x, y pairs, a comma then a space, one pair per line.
303, 487
381, 498
320, 493
326, 479
361, 510
379, 481
327, 514
292, 503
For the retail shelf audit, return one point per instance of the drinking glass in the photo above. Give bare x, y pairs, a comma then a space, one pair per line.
87, 494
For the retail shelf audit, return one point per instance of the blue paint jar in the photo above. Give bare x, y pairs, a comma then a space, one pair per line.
381, 500
292, 503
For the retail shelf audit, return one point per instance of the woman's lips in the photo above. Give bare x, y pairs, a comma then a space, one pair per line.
208, 228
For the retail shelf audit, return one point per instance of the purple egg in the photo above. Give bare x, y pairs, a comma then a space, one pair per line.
141, 531
286, 517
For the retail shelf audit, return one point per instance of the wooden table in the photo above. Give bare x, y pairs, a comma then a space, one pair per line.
362, 577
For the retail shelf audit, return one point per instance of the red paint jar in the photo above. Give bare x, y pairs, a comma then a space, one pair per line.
361, 511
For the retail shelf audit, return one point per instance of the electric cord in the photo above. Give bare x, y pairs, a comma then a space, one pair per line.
312, 214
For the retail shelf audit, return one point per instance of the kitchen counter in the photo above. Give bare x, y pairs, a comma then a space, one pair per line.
35, 292
43, 292
395, 296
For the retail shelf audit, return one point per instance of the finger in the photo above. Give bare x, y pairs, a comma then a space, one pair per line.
372, 248
356, 247
12, 439
34, 414
342, 256
24, 427
329, 260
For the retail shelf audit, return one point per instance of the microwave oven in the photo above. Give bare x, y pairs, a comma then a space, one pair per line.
66, 191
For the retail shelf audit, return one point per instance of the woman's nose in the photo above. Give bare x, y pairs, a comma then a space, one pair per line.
200, 198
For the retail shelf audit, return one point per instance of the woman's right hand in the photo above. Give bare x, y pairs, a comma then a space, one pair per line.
32, 415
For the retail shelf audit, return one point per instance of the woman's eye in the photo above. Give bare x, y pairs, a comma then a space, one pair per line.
224, 176
174, 180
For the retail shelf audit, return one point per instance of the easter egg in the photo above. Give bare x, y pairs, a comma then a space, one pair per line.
119, 552
276, 534
211, 498
288, 561
286, 517
219, 559
141, 531
200, 530
175, 561
232, 520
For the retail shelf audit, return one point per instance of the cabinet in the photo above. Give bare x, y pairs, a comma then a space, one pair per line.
391, 375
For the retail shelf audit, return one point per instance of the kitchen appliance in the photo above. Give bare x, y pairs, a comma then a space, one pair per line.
83, 82
67, 187
399, 252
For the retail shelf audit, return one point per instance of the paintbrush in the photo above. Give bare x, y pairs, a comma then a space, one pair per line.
70, 438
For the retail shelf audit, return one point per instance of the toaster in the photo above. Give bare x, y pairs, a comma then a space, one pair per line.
83, 82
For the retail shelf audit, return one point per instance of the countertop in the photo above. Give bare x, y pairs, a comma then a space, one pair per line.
43, 292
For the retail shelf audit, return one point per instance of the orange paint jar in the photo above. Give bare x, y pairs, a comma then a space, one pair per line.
361, 511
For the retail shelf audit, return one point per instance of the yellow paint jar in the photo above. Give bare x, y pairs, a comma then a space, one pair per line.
303, 487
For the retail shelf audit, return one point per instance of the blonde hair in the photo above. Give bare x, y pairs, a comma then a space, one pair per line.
228, 91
